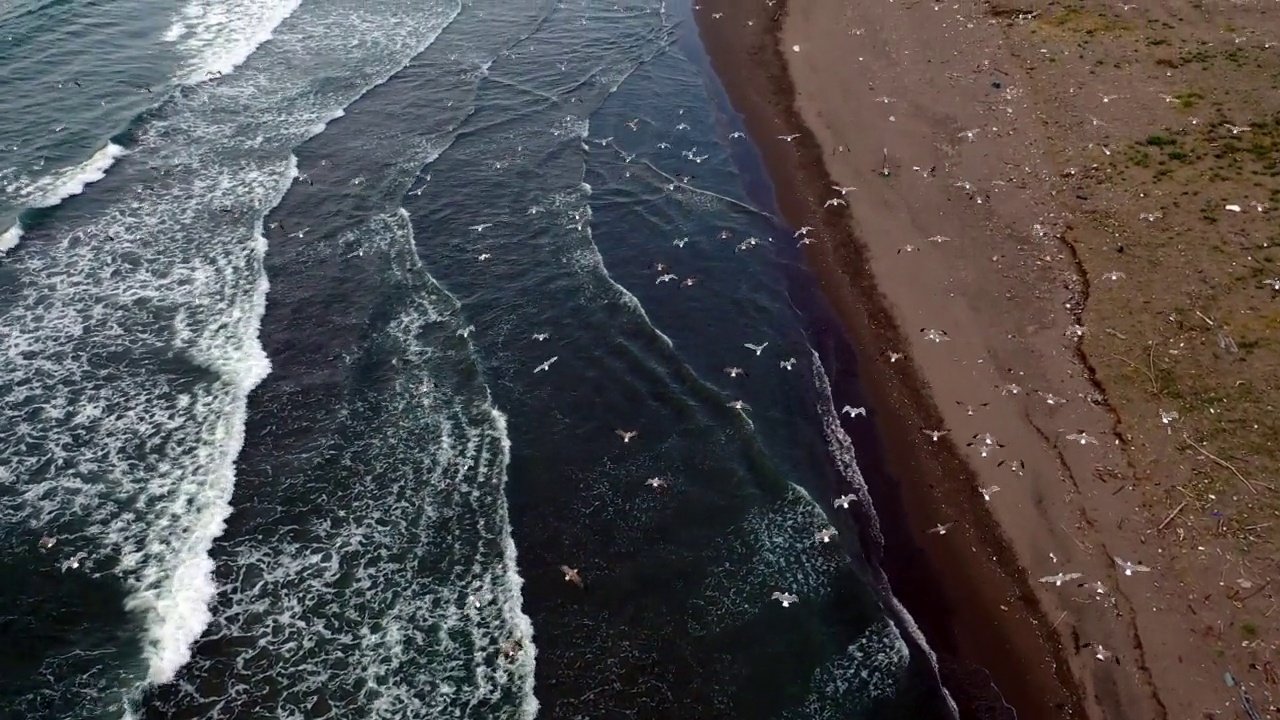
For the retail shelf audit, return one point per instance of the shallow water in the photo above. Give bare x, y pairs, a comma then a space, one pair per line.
275, 329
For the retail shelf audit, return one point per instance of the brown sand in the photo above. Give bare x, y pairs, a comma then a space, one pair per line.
946, 91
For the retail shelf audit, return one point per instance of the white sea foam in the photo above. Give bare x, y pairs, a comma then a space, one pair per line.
53, 189
218, 35
10, 238
110, 442
842, 448
869, 670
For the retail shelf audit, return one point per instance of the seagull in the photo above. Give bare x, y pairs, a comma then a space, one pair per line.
758, 348
1083, 438
679, 242
787, 364
969, 408
934, 335
1010, 388
738, 405
660, 267
746, 244
785, 598
1051, 398
47, 542
481, 227
541, 336
940, 529
805, 241
1096, 586
735, 371
664, 278
571, 575
466, 331
895, 356
986, 438
682, 126
907, 248
1131, 567
1060, 578
987, 492
546, 365
689, 282
843, 190
834, 201
74, 562
803, 231
484, 256
632, 123
656, 483
935, 434
843, 501
789, 138
737, 134
626, 435
824, 535
663, 145
854, 412
1113, 275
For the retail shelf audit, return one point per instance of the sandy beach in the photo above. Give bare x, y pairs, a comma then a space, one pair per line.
954, 161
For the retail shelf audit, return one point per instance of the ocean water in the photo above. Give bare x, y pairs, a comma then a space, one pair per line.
320, 319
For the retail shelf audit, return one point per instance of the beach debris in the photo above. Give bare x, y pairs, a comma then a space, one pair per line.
1130, 568
738, 405
790, 137
935, 434
1113, 275
853, 412
833, 202
843, 501
758, 348
546, 365
787, 364
1060, 578
1052, 399
787, 599
541, 336
824, 535
1075, 331
988, 491
668, 277
968, 409
1168, 416
1232, 208
571, 575
657, 483
47, 542
940, 529
1098, 651
627, 435
1083, 438
1009, 389
907, 248
1096, 586
735, 371
1246, 702
934, 335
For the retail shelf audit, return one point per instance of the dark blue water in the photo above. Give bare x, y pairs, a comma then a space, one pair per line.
276, 388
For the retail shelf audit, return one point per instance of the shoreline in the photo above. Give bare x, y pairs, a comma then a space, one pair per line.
974, 600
